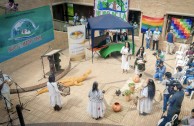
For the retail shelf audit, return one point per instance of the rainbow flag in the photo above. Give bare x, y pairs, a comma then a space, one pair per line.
181, 27
152, 23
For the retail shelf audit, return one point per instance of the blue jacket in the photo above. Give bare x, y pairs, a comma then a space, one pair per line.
161, 70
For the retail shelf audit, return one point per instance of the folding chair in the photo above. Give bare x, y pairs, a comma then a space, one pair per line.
171, 123
192, 95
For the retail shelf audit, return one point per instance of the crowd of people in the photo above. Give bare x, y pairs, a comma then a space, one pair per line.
174, 89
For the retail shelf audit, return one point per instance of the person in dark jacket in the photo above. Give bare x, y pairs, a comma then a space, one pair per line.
175, 103
116, 37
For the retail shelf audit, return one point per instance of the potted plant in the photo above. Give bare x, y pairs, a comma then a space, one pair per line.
127, 94
131, 87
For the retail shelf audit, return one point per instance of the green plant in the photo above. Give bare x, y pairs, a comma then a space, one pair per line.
131, 84
127, 92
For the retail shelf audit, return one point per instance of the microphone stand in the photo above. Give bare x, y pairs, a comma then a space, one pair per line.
21, 104
10, 119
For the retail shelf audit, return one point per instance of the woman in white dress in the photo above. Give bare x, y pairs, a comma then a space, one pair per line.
146, 97
140, 59
55, 97
126, 53
96, 107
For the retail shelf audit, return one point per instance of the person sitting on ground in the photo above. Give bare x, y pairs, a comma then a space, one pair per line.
178, 75
160, 71
12, 6
159, 56
189, 88
96, 107
189, 120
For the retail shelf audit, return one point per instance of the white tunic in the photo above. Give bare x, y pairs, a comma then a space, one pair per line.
125, 60
96, 107
55, 97
145, 104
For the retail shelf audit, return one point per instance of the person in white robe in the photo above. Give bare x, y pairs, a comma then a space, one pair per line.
140, 59
5, 83
146, 97
54, 93
96, 106
126, 55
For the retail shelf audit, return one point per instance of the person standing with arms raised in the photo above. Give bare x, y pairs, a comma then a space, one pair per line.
156, 36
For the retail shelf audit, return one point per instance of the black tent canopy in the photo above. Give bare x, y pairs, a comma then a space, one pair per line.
108, 21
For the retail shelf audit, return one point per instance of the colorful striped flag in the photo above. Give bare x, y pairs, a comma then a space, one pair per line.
152, 23
181, 27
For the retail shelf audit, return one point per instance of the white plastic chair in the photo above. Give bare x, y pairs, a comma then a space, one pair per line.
181, 49
192, 95
171, 123
182, 63
182, 79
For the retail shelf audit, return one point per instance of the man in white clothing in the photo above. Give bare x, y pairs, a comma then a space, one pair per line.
156, 36
5, 82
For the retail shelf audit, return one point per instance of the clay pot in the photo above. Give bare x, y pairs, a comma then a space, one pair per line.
136, 79
128, 97
116, 107
132, 88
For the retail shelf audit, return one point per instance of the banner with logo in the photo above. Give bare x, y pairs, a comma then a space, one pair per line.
23, 31
76, 39
117, 8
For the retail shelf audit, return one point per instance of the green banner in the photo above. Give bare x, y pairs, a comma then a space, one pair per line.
23, 31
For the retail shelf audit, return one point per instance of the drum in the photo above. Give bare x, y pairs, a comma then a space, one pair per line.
140, 65
64, 89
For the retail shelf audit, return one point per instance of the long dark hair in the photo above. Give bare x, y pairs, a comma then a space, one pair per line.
51, 78
138, 52
128, 46
95, 86
151, 89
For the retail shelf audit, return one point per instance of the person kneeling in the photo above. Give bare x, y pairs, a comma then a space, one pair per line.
160, 70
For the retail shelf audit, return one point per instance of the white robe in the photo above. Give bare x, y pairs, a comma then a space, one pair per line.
145, 104
96, 107
125, 61
54, 93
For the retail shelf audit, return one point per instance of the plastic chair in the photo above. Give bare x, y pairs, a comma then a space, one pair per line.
181, 49
192, 95
182, 79
171, 123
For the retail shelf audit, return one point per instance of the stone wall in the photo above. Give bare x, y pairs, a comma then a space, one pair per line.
60, 42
